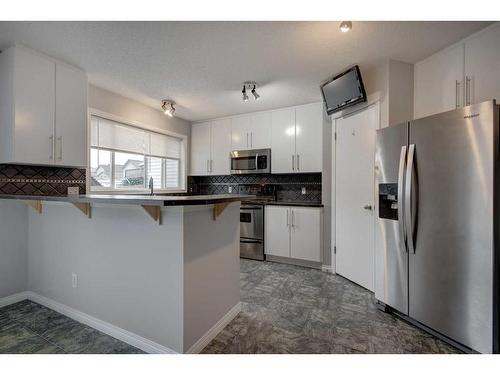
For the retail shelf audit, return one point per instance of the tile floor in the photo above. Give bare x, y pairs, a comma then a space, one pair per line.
27, 327
286, 309
290, 309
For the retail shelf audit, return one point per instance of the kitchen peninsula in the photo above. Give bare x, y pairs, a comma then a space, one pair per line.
160, 272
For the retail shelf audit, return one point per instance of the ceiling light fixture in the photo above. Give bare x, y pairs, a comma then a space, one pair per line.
244, 92
345, 26
168, 107
252, 87
255, 95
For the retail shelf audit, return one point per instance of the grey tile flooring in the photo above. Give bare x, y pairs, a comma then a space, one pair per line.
291, 309
27, 327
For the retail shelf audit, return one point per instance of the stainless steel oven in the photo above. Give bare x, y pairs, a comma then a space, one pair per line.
251, 161
252, 231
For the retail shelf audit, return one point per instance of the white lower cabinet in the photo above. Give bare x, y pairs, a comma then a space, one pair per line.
293, 232
277, 231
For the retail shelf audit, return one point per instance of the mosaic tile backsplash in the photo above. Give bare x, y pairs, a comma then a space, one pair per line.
37, 180
288, 186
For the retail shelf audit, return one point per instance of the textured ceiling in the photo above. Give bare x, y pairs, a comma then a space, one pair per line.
201, 65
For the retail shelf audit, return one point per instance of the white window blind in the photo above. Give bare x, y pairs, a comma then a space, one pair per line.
112, 135
124, 157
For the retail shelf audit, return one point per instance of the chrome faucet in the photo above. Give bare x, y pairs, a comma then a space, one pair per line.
151, 185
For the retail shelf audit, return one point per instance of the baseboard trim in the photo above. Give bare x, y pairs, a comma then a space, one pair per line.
118, 333
13, 298
326, 268
204, 340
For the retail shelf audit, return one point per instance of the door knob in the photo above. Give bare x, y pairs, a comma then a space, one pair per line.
368, 207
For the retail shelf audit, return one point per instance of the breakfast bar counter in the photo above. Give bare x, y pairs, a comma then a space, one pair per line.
168, 285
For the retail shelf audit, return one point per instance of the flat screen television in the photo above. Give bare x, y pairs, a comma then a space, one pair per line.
344, 90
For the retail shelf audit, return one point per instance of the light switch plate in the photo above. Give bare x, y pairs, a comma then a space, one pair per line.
303, 191
73, 190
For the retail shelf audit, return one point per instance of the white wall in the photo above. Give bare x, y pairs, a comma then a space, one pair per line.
13, 247
129, 268
211, 268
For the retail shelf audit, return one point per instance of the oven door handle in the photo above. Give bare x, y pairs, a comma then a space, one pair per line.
251, 208
249, 241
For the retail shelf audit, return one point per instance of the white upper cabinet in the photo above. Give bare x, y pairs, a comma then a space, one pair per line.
220, 147
260, 130
482, 66
438, 82
294, 135
251, 132
43, 116
297, 139
241, 127
283, 141
71, 116
200, 149
34, 102
464, 74
210, 148
309, 138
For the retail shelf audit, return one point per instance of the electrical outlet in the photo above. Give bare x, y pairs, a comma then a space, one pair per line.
229, 189
74, 280
303, 191
73, 190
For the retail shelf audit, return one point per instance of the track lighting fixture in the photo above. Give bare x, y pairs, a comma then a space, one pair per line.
168, 107
244, 92
345, 26
252, 86
255, 95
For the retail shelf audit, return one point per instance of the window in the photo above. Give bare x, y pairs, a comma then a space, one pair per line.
123, 157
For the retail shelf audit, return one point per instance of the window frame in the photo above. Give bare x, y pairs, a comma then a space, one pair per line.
145, 190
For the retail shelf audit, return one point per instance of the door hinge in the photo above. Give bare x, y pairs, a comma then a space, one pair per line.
335, 249
335, 135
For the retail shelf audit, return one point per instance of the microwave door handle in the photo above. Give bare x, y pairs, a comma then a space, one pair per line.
257, 161
401, 226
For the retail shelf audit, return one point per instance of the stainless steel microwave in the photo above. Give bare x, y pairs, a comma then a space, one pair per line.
251, 161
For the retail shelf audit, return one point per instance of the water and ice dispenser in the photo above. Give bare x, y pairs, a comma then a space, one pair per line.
388, 201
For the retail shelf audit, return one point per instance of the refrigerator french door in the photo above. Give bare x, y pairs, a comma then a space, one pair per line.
444, 227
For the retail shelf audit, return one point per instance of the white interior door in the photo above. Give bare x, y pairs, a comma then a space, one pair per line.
354, 196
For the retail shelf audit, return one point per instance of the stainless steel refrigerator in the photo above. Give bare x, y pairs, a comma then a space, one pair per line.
438, 188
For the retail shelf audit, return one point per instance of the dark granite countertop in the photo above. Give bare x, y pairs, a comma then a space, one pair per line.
295, 203
132, 199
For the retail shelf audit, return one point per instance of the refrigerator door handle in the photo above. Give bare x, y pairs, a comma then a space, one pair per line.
401, 174
408, 200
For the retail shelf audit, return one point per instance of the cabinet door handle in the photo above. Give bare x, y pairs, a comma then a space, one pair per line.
293, 219
293, 162
208, 166
457, 94
247, 140
60, 140
298, 162
288, 218
251, 140
51, 147
467, 90
211, 165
